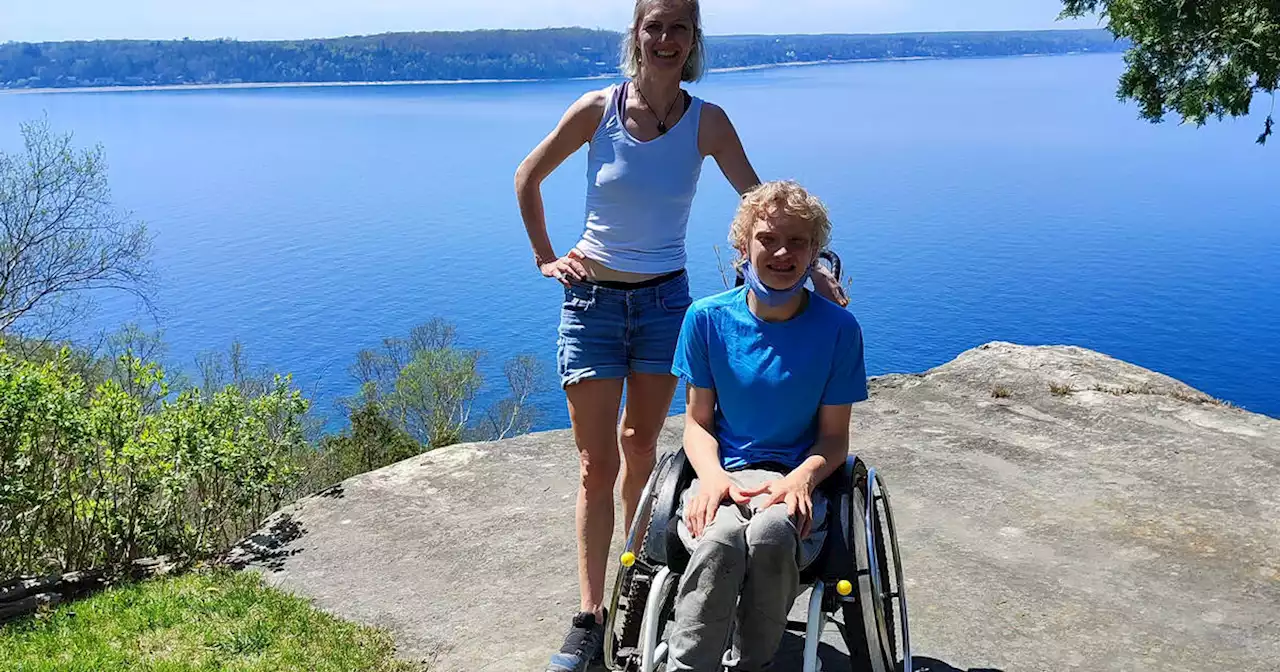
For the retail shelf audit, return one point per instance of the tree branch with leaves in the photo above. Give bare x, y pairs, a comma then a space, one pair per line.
1196, 58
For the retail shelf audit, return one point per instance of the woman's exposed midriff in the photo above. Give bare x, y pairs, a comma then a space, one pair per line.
598, 272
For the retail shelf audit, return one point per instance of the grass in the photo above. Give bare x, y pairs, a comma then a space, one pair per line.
1001, 392
200, 621
1060, 390
1193, 397
1126, 389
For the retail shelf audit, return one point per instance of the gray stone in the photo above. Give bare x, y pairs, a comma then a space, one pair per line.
1131, 523
25, 595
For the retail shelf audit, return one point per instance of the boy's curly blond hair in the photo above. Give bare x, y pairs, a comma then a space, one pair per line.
770, 199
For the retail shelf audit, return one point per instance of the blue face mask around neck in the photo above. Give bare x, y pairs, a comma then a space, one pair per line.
768, 295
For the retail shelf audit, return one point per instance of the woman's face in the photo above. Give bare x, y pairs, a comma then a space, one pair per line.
665, 36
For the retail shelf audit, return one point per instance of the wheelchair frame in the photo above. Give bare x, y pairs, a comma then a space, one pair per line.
856, 581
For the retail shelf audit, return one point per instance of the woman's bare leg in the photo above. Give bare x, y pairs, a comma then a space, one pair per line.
648, 402
593, 410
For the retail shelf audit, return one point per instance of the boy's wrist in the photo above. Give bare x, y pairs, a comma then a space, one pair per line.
811, 471
805, 474
716, 473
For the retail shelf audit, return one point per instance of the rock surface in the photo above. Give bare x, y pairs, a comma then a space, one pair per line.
1123, 522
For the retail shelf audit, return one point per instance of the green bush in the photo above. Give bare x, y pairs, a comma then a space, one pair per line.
104, 459
93, 478
372, 442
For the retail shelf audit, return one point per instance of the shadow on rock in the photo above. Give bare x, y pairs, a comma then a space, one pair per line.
268, 547
333, 492
791, 657
922, 664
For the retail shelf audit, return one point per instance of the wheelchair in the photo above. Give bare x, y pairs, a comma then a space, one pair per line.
858, 573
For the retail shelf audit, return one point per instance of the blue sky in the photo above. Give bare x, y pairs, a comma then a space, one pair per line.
39, 20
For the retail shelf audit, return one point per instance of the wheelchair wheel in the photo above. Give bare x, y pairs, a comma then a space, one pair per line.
637, 579
875, 618
859, 630
888, 592
631, 589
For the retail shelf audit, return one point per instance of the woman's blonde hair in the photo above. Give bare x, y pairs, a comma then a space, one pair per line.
772, 199
694, 66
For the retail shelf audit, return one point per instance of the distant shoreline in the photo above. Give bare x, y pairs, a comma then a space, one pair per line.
436, 82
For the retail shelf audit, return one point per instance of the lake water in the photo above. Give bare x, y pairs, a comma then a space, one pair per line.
976, 200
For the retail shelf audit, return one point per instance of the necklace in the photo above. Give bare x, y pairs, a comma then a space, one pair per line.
662, 123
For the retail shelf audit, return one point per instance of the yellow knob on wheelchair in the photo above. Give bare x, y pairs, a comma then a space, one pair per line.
844, 588
628, 559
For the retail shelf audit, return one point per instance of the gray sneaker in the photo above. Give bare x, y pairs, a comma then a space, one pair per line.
583, 644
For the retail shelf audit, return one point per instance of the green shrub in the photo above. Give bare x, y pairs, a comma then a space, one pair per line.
103, 459
372, 442
92, 478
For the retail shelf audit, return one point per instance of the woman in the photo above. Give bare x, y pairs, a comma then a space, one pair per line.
624, 282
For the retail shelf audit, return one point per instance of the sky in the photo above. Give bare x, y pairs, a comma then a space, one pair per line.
47, 20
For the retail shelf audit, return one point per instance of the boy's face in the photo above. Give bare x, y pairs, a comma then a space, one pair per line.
781, 249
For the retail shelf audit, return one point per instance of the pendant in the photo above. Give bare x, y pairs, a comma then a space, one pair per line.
662, 128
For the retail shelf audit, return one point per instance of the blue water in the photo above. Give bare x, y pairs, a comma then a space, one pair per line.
976, 200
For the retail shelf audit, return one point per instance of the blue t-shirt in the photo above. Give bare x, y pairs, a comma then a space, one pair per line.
770, 378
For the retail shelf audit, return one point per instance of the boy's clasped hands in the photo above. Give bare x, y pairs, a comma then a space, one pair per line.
796, 490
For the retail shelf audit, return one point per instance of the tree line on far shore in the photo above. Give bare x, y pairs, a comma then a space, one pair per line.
485, 54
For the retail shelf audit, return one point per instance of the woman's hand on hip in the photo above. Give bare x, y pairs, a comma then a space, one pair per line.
566, 269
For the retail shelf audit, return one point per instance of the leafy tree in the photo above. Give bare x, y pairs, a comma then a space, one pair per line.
1198, 58
373, 441
427, 385
60, 237
513, 415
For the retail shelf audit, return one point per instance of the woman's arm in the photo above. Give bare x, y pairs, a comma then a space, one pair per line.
718, 139
575, 129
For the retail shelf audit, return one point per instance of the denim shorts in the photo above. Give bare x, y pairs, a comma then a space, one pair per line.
608, 332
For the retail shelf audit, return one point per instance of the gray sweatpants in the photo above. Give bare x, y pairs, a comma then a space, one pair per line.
744, 570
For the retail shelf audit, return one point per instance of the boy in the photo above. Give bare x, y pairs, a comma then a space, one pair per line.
771, 371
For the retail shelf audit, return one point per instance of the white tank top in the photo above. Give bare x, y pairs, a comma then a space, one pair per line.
639, 193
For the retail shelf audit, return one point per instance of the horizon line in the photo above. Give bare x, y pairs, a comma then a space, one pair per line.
552, 28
